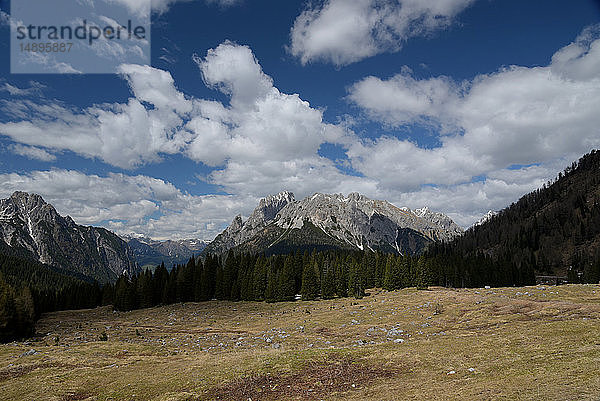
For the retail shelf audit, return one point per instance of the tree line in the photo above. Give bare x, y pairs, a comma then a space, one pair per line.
28, 288
310, 275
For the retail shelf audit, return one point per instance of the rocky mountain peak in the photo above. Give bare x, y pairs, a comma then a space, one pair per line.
269, 206
354, 221
34, 227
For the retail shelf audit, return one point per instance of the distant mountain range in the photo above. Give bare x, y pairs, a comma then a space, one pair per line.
149, 252
281, 224
33, 229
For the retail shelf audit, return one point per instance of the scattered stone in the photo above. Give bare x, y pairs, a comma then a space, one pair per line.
471, 370
29, 353
398, 341
452, 372
276, 345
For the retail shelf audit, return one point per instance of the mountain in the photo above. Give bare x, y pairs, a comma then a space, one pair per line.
553, 230
486, 217
280, 224
33, 229
149, 252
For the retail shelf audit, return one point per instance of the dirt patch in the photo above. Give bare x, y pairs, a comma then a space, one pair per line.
314, 381
75, 397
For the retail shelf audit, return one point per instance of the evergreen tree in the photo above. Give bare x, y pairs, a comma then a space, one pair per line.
259, 279
8, 312
287, 283
341, 279
145, 290
271, 290
25, 313
309, 290
356, 280
328, 287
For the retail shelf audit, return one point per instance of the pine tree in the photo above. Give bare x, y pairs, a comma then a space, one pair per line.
328, 281
341, 279
287, 284
271, 290
309, 290
388, 279
356, 280
25, 313
145, 289
259, 280
8, 312
421, 279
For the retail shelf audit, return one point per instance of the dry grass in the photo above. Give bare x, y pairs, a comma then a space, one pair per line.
528, 343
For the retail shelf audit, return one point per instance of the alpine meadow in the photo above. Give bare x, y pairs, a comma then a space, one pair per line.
326, 200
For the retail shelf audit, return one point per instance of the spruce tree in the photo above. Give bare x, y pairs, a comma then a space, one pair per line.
310, 289
328, 281
8, 312
356, 280
287, 284
259, 280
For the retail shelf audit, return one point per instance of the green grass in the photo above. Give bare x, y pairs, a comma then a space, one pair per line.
528, 343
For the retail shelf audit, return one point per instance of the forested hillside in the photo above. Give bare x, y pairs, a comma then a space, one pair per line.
553, 230
29, 288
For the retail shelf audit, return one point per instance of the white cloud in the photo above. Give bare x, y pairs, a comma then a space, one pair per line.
346, 31
32, 153
122, 134
127, 204
517, 115
262, 141
34, 88
403, 99
162, 6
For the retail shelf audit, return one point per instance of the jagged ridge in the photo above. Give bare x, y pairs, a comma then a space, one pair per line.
354, 221
35, 229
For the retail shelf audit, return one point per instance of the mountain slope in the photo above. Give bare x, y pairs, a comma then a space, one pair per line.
554, 230
281, 224
32, 228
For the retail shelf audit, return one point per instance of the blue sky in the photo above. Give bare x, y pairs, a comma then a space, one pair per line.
459, 105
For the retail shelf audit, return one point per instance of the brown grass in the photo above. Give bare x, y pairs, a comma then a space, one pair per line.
532, 343
316, 380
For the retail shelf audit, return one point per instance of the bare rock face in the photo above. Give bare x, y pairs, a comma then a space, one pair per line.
34, 227
354, 220
239, 231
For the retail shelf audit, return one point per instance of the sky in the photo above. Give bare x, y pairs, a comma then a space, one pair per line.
462, 106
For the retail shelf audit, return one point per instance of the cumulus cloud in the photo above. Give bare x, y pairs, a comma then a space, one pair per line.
262, 141
346, 31
517, 115
126, 204
122, 134
32, 153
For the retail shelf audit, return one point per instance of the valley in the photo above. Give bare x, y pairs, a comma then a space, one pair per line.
513, 343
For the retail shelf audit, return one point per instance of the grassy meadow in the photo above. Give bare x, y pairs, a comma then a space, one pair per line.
528, 343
